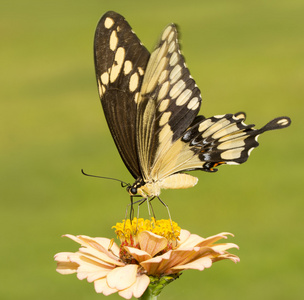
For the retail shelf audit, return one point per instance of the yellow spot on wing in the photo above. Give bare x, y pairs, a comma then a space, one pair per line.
108, 22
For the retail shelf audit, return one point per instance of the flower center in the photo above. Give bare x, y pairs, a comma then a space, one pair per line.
127, 231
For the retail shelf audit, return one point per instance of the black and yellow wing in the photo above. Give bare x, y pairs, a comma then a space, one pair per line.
151, 104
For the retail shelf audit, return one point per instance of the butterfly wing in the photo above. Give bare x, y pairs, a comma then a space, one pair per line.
120, 63
171, 137
168, 104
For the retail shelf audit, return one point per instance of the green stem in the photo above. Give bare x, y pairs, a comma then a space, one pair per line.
156, 286
148, 295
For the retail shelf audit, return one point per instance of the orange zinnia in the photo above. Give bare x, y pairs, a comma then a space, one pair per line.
148, 250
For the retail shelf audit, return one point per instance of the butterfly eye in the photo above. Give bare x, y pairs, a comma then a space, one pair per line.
133, 190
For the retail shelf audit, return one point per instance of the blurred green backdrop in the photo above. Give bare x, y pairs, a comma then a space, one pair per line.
244, 55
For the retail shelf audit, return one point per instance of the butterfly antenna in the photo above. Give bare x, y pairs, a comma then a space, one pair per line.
123, 184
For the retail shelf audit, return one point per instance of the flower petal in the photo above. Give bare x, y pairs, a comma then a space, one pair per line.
151, 242
223, 247
100, 244
198, 264
64, 265
138, 254
227, 255
214, 238
121, 278
191, 241
141, 285
101, 286
137, 289
157, 264
99, 257
184, 235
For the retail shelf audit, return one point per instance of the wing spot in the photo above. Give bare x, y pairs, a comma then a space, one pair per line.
164, 118
101, 89
177, 88
183, 97
250, 150
140, 71
240, 116
105, 78
133, 82
283, 122
172, 47
173, 59
215, 127
163, 76
127, 67
225, 131
163, 90
232, 154
236, 143
218, 116
193, 103
166, 32
108, 22
113, 40
163, 105
136, 97
118, 61
231, 136
170, 37
204, 125
175, 74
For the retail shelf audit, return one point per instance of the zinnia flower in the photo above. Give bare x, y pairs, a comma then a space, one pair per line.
149, 251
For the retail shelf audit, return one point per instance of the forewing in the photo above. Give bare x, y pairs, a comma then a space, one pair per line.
215, 141
120, 63
168, 104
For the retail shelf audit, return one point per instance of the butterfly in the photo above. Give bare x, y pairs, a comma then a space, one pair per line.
151, 104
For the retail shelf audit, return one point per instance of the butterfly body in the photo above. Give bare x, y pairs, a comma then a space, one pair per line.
151, 104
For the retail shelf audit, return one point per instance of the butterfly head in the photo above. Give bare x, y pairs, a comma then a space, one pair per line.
134, 189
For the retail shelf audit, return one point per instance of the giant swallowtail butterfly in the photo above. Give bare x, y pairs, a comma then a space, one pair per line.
151, 103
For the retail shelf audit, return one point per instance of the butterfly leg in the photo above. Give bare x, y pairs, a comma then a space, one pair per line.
131, 205
150, 208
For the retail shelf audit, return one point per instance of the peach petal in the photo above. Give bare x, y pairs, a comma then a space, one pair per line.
214, 238
101, 286
227, 255
156, 264
121, 278
99, 256
83, 259
64, 264
184, 235
141, 285
100, 244
106, 243
138, 254
199, 264
87, 272
223, 247
191, 242
97, 275
137, 289
151, 243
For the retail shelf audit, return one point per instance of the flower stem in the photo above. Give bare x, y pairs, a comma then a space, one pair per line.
156, 286
148, 295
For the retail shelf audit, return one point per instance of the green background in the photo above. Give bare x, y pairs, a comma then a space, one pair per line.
244, 55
